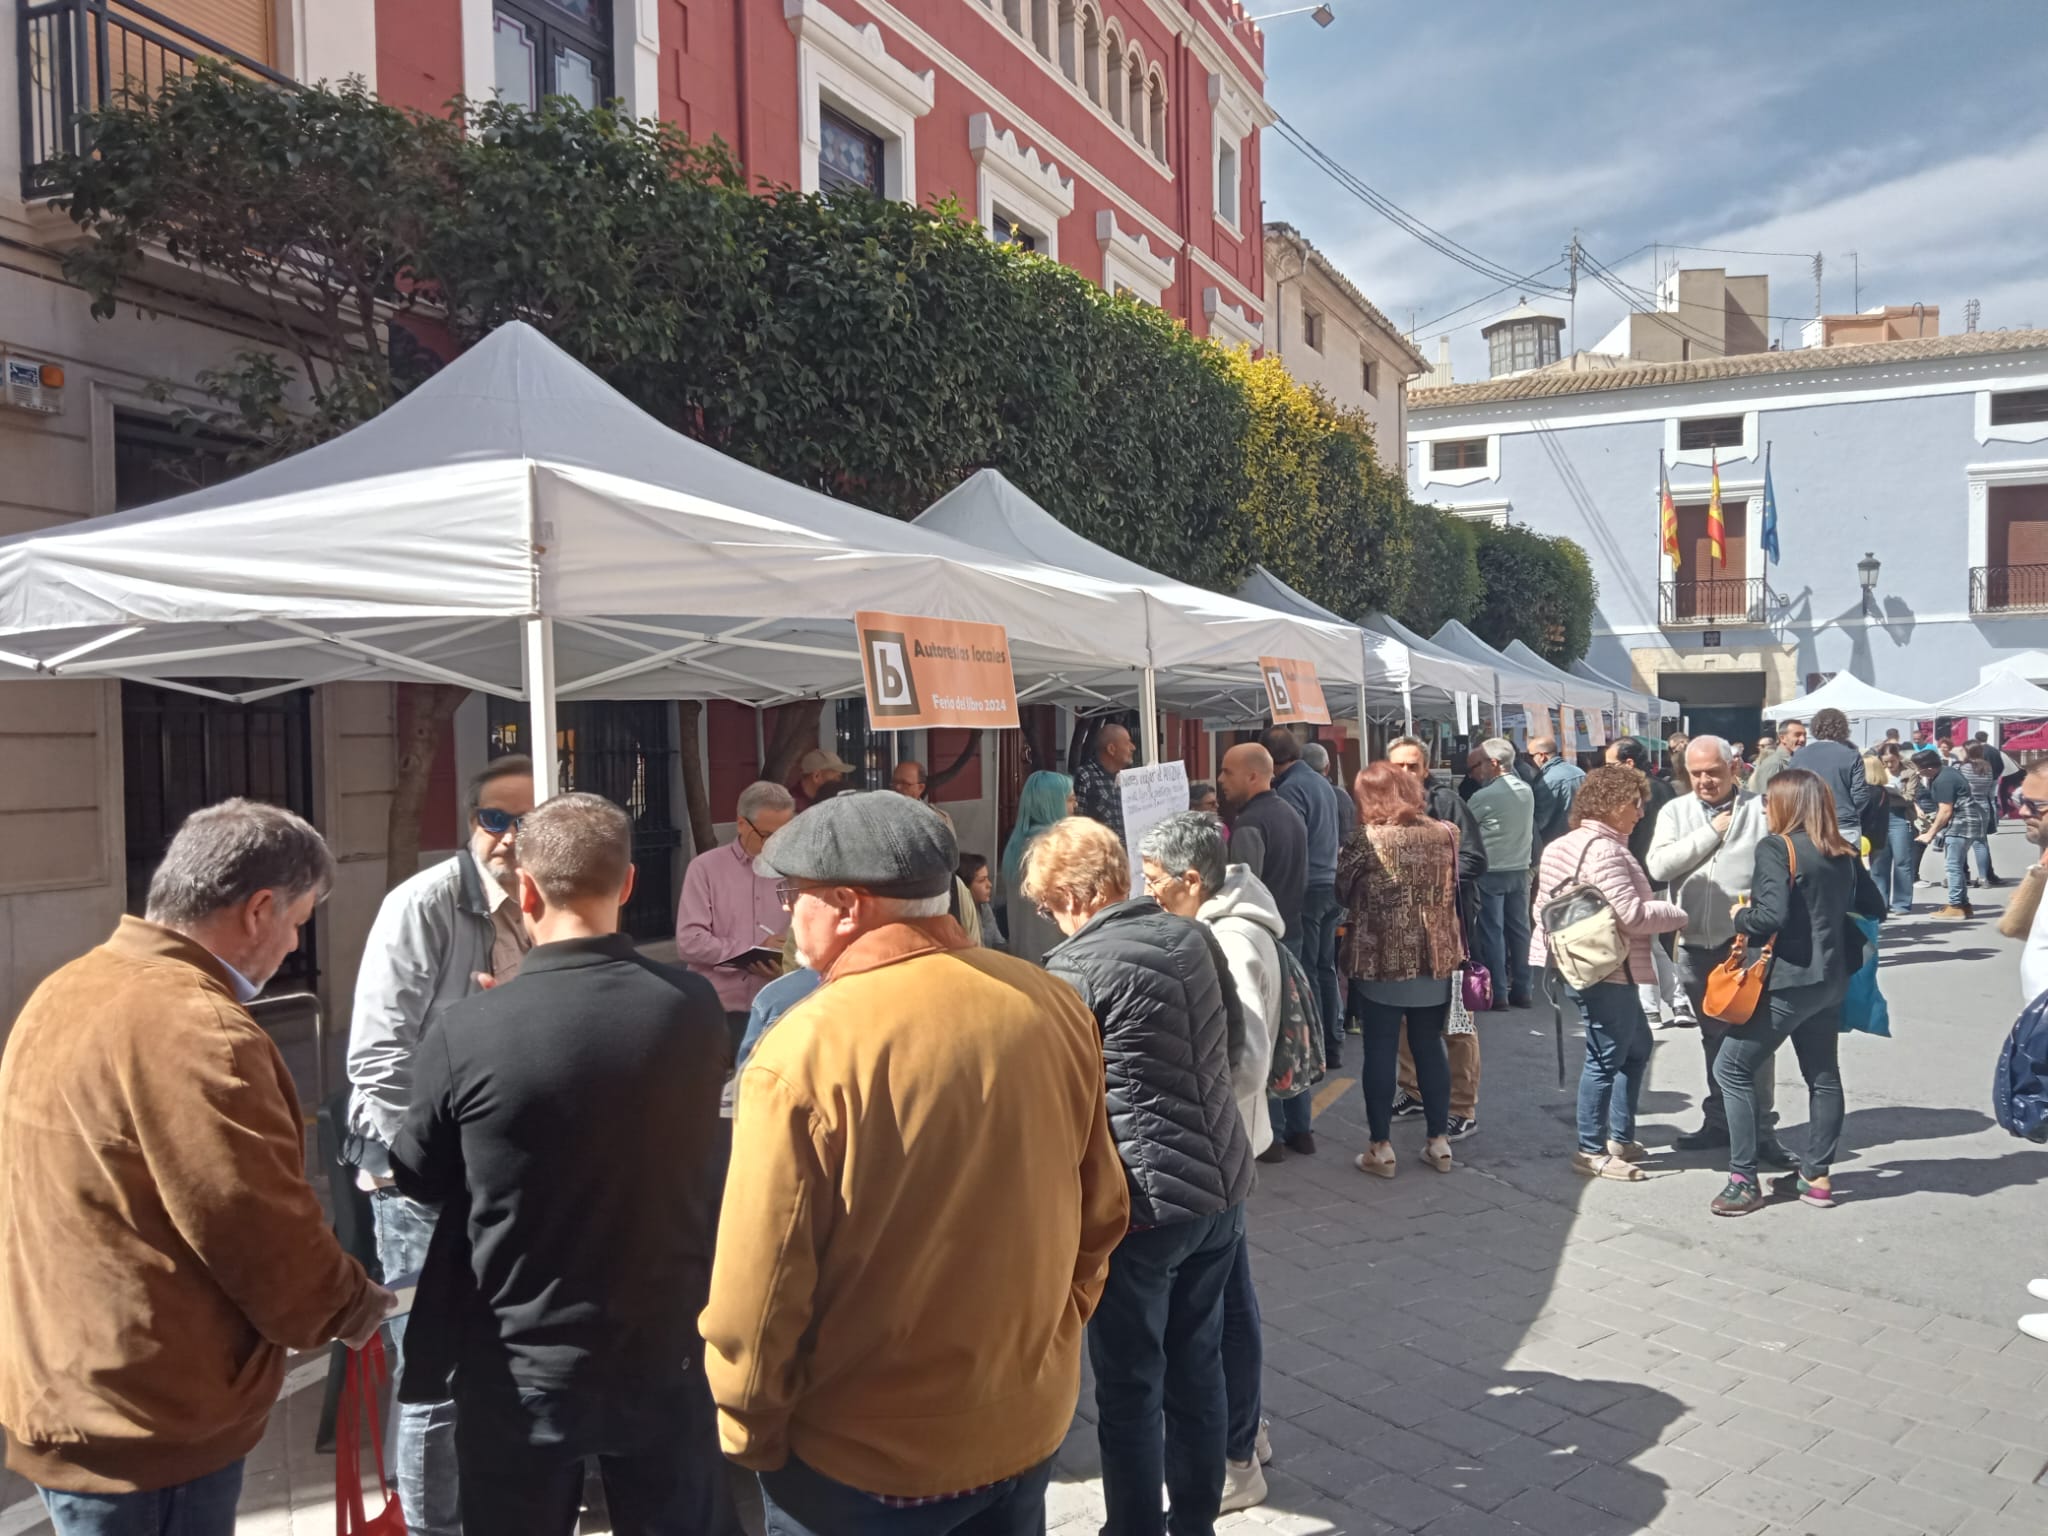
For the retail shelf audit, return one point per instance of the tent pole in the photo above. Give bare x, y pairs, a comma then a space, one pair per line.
1407, 707
540, 705
1148, 714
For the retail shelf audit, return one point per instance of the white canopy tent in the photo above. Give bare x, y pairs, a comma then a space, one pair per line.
1510, 681
1204, 646
1854, 698
518, 527
1579, 693
1444, 673
2027, 664
1391, 669
2001, 696
1647, 704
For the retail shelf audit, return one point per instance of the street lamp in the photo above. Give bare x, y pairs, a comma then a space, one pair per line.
1866, 572
1322, 13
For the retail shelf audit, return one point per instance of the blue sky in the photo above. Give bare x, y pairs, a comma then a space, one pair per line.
1914, 134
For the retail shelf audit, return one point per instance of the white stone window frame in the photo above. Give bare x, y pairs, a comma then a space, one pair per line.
1755, 562
1496, 513
636, 53
1015, 179
2014, 432
848, 68
1232, 125
1129, 261
1229, 322
1427, 474
1981, 478
1706, 458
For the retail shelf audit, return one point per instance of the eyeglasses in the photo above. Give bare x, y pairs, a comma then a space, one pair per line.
497, 822
2029, 805
1159, 882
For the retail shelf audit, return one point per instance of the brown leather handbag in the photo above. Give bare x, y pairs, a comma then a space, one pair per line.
1735, 989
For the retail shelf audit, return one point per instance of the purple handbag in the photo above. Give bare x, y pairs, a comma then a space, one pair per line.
1478, 987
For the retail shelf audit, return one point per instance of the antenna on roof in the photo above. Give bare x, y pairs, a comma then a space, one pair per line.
1971, 311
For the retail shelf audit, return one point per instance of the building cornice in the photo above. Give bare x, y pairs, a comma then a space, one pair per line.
1136, 247
988, 143
861, 48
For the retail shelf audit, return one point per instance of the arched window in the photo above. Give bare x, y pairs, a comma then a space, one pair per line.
1041, 27
1135, 121
1070, 41
1155, 97
1013, 13
1113, 72
1091, 54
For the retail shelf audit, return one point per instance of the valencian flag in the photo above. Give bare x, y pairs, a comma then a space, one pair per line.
1770, 510
1668, 511
1717, 532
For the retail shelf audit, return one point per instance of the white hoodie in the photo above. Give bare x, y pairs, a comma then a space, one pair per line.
1246, 923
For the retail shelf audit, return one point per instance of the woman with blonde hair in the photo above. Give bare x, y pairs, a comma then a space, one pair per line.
1808, 881
1595, 852
1398, 880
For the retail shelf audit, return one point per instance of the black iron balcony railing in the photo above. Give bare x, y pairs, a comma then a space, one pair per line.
2009, 589
78, 56
1730, 600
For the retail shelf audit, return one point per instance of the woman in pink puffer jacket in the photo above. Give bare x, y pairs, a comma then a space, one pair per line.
1595, 852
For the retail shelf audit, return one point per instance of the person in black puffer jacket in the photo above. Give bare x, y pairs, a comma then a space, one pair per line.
1161, 993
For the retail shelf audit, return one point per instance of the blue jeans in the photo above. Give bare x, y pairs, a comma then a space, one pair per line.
1244, 1357
1318, 956
1892, 867
799, 1501
1955, 853
423, 1458
1292, 1117
1617, 1061
1156, 1343
522, 1454
1503, 937
203, 1507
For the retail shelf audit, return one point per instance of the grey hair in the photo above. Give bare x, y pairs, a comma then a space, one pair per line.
512, 766
763, 795
1316, 755
576, 845
1717, 744
226, 853
1500, 749
1187, 840
1410, 741
895, 908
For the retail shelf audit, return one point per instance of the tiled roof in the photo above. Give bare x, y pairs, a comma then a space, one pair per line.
1550, 382
1349, 289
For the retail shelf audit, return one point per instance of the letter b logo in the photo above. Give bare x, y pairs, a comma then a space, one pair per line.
892, 688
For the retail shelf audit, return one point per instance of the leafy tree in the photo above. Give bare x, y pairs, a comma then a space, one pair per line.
1537, 589
1444, 579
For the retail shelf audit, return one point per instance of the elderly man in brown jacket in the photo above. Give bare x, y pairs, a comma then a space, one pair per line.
160, 1248
923, 1199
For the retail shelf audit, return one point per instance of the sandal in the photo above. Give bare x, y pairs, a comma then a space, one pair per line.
1440, 1161
1605, 1165
1378, 1167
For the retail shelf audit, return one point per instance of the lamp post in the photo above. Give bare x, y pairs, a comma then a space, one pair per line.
1866, 572
1322, 13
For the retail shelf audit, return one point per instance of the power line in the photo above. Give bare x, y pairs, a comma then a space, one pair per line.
1507, 288
1635, 297
1443, 244
1724, 250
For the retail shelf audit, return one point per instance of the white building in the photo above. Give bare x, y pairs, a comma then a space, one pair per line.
1329, 334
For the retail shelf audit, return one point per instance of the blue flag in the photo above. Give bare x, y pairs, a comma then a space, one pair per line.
1770, 510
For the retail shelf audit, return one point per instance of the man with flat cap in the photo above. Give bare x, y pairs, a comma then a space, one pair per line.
923, 1200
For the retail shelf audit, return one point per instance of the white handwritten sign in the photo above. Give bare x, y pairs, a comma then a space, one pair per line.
1150, 795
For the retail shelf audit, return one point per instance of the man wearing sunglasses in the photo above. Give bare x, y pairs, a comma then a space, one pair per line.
445, 934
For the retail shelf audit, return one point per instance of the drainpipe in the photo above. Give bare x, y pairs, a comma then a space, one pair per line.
739, 43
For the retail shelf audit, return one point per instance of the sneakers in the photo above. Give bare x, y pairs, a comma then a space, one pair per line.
1262, 1448
2038, 1289
1407, 1104
1925, 885
1303, 1142
1605, 1165
1952, 910
1460, 1126
2035, 1326
1738, 1198
1244, 1485
1793, 1185
1705, 1139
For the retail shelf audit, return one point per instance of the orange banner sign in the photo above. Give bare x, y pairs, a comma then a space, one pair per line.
935, 672
1293, 691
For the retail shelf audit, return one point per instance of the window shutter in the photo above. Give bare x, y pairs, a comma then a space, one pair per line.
243, 25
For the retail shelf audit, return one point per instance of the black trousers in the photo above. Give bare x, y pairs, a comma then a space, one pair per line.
521, 1452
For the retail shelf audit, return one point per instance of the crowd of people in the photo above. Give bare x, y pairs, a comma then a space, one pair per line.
682, 1219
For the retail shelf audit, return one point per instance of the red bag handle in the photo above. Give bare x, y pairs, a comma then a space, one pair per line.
366, 1372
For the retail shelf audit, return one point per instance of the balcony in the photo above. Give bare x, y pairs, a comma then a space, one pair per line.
78, 56
2009, 589
1731, 600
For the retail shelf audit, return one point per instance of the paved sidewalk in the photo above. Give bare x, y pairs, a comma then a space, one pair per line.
1509, 1349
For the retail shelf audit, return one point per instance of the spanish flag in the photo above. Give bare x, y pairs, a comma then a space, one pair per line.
1717, 533
1668, 510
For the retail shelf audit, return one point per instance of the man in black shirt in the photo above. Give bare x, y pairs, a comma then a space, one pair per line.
569, 1119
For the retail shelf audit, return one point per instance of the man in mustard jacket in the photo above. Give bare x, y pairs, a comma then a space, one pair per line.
923, 1199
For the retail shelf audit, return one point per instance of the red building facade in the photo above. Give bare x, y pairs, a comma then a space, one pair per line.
1118, 136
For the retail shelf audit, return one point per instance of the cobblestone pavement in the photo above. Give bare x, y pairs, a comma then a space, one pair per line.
1508, 1349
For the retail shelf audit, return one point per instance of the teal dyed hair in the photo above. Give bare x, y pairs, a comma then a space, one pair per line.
1043, 802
